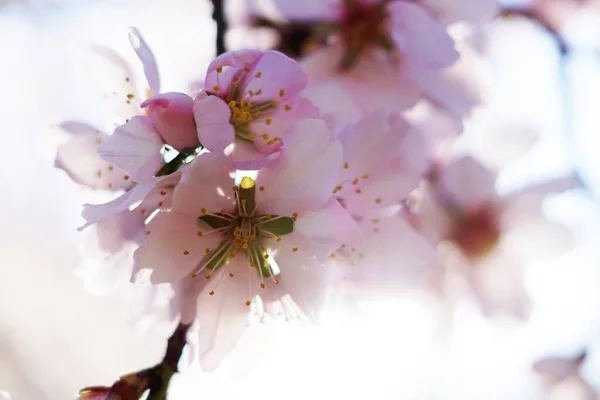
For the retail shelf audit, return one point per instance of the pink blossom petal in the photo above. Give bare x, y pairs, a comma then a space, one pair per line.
301, 277
275, 76
309, 10
173, 115
113, 77
328, 229
212, 123
174, 247
402, 160
393, 253
147, 58
134, 147
205, 186
231, 63
79, 158
448, 12
302, 179
556, 369
116, 230
467, 183
93, 213
223, 316
421, 39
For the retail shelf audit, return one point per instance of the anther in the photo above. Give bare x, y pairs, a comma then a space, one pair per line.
231, 275
248, 303
261, 188
130, 96
200, 233
295, 215
258, 74
247, 68
216, 88
346, 165
212, 292
219, 70
268, 121
186, 252
287, 107
294, 249
203, 210
163, 193
126, 177
262, 285
282, 93
207, 277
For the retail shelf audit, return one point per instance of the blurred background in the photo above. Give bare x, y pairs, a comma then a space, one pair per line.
56, 338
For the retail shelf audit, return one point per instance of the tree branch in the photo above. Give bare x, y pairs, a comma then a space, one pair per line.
155, 379
219, 18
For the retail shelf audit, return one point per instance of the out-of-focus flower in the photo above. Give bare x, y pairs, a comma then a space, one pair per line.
4, 395
250, 97
401, 28
562, 379
265, 239
485, 238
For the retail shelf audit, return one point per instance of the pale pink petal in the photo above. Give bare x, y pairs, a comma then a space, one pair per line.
174, 247
310, 10
335, 107
556, 369
116, 230
392, 255
420, 38
134, 147
537, 239
302, 179
301, 277
401, 157
173, 115
467, 183
206, 185
453, 89
223, 316
79, 127
145, 55
276, 76
112, 76
448, 12
231, 63
212, 123
94, 213
79, 158
328, 229
497, 283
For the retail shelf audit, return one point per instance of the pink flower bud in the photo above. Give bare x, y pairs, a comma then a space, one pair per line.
173, 116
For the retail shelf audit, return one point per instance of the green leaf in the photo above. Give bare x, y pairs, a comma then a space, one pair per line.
278, 226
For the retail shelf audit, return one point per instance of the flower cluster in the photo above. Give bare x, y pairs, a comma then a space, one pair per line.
285, 181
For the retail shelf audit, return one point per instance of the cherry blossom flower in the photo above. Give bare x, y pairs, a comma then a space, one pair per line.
252, 242
398, 27
392, 253
250, 97
485, 237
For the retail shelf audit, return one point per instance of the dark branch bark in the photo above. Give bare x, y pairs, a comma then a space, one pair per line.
156, 379
219, 18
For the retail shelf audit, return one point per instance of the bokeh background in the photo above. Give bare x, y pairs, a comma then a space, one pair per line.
56, 338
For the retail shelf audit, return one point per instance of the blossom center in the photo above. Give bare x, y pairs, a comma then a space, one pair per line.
476, 234
244, 231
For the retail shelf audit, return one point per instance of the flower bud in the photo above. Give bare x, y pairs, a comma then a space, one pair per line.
173, 116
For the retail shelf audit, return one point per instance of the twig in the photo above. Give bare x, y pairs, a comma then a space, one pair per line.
156, 379
219, 18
